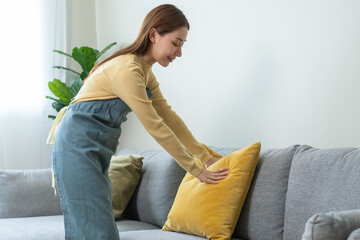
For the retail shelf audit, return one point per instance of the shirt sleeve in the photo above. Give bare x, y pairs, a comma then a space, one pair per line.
128, 83
176, 124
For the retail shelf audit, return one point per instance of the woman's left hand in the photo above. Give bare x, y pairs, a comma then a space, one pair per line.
211, 161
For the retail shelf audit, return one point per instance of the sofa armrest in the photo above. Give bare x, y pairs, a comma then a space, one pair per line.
27, 193
355, 235
332, 225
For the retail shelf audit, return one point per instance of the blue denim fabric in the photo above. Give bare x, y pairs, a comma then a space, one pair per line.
86, 138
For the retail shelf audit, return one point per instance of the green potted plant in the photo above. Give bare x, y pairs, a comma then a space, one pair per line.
86, 57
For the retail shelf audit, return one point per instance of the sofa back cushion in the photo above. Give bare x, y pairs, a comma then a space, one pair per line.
27, 193
262, 216
321, 180
157, 187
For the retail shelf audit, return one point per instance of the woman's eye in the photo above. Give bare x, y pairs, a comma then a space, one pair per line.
175, 44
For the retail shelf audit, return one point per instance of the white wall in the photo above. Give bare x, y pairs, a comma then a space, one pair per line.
80, 29
280, 72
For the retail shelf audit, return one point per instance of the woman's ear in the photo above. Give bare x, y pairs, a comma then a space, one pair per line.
152, 35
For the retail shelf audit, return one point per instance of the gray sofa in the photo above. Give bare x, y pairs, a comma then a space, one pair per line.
297, 192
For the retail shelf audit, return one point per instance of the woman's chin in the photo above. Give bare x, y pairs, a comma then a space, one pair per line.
164, 63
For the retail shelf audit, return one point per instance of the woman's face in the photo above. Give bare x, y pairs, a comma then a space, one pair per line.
166, 48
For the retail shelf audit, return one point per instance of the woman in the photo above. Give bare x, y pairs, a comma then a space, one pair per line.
88, 133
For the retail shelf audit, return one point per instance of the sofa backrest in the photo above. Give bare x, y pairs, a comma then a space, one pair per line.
263, 213
321, 180
157, 187
27, 193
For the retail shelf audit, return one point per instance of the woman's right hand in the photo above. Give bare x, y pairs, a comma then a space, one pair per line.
212, 177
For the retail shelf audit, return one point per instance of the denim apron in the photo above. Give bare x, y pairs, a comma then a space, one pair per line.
86, 138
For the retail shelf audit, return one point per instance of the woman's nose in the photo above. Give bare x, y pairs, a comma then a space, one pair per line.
178, 52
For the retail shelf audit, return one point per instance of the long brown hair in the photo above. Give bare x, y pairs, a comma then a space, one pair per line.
164, 18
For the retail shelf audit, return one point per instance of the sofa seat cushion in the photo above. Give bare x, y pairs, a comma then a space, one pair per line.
159, 235
33, 228
125, 225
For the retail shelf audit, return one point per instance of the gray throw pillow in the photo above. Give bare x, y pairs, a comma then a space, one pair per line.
355, 235
332, 225
124, 173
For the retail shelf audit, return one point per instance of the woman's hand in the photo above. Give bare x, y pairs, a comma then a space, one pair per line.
211, 161
213, 176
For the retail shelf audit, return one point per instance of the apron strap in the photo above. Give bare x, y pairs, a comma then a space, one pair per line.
51, 138
53, 179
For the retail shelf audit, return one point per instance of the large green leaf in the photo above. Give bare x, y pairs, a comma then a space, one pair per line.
86, 57
57, 106
75, 86
96, 53
56, 100
105, 49
61, 90
57, 51
60, 67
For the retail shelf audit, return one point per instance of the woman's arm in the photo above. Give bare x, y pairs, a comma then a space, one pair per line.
128, 83
176, 124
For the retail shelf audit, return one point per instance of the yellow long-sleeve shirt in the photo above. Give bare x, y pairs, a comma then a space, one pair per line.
127, 77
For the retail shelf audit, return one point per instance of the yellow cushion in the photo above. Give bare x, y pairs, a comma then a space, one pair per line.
212, 153
212, 210
124, 173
